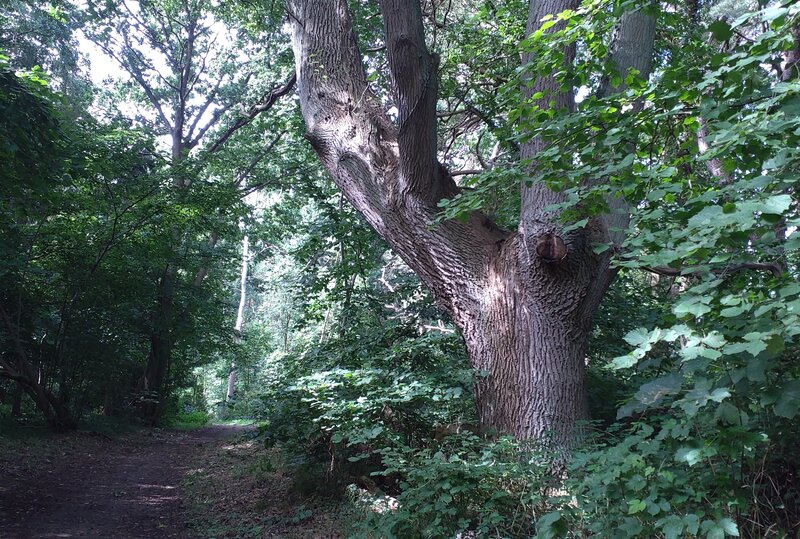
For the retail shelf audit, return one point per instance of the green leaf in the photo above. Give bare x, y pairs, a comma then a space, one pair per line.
574, 226
631, 527
755, 343
719, 394
729, 526
692, 522
789, 400
714, 340
637, 336
731, 312
721, 30
636, 506
776, 205
689, 455
654, 391
756, 369
728, 414
672, 526
623, 362
691, 306
551, 525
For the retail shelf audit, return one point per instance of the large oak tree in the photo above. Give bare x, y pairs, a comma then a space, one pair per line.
523, 299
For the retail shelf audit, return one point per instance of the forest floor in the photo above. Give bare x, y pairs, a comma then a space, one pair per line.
146, 484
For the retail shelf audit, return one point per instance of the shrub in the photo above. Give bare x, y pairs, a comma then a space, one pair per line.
464, 485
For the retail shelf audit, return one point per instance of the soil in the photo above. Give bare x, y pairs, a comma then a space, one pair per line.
89, 485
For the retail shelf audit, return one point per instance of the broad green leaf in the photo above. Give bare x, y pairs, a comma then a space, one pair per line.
659, 388
719, 394
693, 306
551, 525
623, 362
672, 526
777, 204
692, 522
637, 336
636, 506
689, 455
728, 413
721, 30
789, 400
729, 527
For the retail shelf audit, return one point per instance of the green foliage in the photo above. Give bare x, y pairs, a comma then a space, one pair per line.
647, 482
339, 416
694, 376
30, 130
36, 37
704, 386
87, 219
465, 484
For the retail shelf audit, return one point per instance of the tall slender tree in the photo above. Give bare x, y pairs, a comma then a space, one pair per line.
191, 72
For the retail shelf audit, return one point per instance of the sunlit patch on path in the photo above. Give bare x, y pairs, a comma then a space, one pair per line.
83, 486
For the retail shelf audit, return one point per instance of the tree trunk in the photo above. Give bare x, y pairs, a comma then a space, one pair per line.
29, 379
16, 400
239, 326
791, 59
161, 340
529, 337
523, 299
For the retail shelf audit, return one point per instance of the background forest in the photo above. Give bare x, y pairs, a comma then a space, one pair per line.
173, 251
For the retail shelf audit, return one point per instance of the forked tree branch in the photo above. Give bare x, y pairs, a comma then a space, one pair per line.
414, 74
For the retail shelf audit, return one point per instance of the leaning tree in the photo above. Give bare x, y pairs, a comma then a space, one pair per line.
523, 299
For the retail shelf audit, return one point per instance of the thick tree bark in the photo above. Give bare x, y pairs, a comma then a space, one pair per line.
523, 300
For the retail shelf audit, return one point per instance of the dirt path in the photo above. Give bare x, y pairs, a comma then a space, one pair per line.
89, 486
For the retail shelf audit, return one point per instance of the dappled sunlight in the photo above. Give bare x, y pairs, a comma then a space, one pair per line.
165, 487
409, 268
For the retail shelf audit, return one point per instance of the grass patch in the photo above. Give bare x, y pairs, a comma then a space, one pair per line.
188, 421
238, 489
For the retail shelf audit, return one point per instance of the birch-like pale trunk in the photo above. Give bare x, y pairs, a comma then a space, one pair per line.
239, 326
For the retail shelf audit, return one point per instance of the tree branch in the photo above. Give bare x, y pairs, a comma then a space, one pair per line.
215, 116
773, 267
466, 172
415, 83
134, 71
266, 103
242, 175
